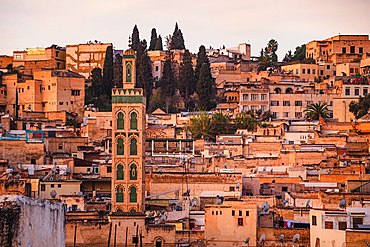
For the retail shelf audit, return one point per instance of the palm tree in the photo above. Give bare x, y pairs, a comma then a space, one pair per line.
272, 46
317, 110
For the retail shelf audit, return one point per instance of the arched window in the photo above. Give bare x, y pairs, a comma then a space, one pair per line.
128, 73
277, 90
120, 173
120, 121
133, 210
133, 195
133, 121
133, 147
133, 172
119, 211
119, 195
120, 147
289, 90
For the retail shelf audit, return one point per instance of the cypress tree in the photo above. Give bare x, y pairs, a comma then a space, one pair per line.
159, 45
117, 71
135, 39
167, 83
153, 40
187, 83
202, 58
108, 71
205, 87
177, 38
145, 77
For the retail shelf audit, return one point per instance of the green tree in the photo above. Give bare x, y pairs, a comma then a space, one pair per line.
200, 126
167, 82
135, 39
187, 81
221, 124
288, 57
145, 77
178, 39
317, 110
96, 87
153, 40
108, 71
272, 46
159, 45
361, 107
201, 58
244, 121
299, 53
205, 88
117, 71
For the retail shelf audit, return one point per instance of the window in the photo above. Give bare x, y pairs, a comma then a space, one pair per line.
357, 91
119, 194
263, 97
308, 71
42, 187
296, 71
59, 186
254, 108
352, 49
52, 185
274, 103
344, 50
245, 96
285, 189
156, 68
240, 221
263, 108
220, 212
246, 213
120, 121
254, 96
48, 87
232, 189
240, 213
275, 114
233, 213
133, 172
328, 224
327, 66
60, 146
33, 161
331, 103
309, 103
351, 70
18, 56
60, 103
133, 195
314, 222
88, 170
360, 50
356, 222
216, 212
120, 173
303, 71
348, 91
298, 103
313, 71
133, 121
22, 90
213, 213
75, 92
133, 147
109, 169
286, 103
365, 91
321, 72
298, 114
342, 225
285, 114
120, 147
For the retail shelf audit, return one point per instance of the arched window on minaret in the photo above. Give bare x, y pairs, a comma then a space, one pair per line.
120, 121
128, 72
120, 172
133, 147
119, 194
133, 194
120, 147
133, 172
133, 121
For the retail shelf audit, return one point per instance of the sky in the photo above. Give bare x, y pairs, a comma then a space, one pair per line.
41, 23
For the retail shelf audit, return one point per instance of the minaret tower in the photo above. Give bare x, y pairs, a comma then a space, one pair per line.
128, 141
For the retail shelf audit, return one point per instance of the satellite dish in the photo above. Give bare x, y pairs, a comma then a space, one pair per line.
163, 211
225, 165
247, 240
293, 146
308, 203
53, 169
281, 238
107, 159
29, 107
160, 169
244, 176
30, 117
80, 193
238, 185
264, 168
296, 238
51, 178
342, 171
18, 176
342, 203
53, 193
25, 118
255, 170
68, 170
344, 155
265, 207
188, 191
262, 239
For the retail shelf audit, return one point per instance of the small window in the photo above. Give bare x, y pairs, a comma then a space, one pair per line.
156, 68
52, 185
314, 222
348, 91
232, 188
286, 103
75, 92
216, 212
303, 71
213, 213
48, 87
285, 189
357, 91
109, 169
220, 212
296, 71
344, 50
365, 91
59, 185
352, 49
298, 103
342, 225
240, 213
28, 87
360, 50
308, 71
60, 103
298, 114
327, 66
357, 221
328, 224
88, 170
246, 213
274, 103
33, 161
245, 97
42, 187
313, 71
263, 97
60, 146
285, 114
233, 213
240, 221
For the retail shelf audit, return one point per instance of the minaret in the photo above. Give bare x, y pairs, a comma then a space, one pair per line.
128, 141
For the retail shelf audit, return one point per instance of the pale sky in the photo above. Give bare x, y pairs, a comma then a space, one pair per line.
41, 23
